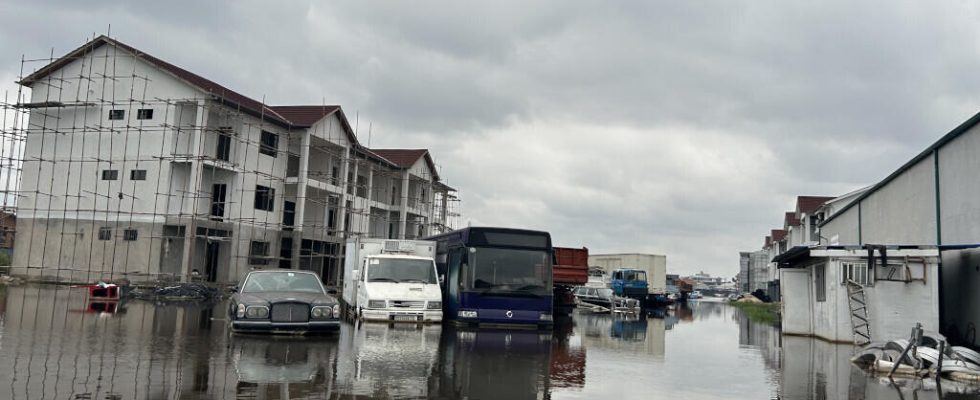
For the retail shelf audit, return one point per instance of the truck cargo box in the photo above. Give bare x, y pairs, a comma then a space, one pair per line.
571, 266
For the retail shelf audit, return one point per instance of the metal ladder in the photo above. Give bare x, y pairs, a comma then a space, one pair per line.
859, 313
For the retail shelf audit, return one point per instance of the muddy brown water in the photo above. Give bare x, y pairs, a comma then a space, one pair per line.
54, 344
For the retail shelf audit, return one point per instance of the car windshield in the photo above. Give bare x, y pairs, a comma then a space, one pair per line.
510, 270
281, 282
401, 270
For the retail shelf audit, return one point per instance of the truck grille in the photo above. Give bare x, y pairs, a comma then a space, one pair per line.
290, 312
408, 304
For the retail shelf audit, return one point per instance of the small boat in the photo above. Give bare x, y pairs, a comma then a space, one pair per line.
603, 299
694, 295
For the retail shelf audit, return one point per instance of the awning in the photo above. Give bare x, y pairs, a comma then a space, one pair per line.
792, 256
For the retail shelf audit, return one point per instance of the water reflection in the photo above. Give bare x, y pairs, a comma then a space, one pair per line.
486, 363
56, 344
384, 361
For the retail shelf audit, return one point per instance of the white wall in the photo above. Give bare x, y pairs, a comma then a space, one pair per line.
959, 191
893, 307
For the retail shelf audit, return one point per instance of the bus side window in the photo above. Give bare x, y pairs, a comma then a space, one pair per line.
453, 278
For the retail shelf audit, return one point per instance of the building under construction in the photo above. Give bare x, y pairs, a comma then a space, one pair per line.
121, 165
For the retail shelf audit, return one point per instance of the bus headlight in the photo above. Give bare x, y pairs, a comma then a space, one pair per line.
376, 304
467, 314
545, 317
434, 305
257, 311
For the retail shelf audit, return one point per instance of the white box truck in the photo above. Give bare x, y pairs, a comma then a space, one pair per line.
391, 280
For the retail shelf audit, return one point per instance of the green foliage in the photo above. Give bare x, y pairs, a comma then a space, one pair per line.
765, 313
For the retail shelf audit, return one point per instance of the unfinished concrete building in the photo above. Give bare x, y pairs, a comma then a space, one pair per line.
121, 165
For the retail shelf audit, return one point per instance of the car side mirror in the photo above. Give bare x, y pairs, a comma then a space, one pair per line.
442, 279
332, 292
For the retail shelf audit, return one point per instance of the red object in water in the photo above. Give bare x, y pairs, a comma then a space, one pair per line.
102, 292
571, 266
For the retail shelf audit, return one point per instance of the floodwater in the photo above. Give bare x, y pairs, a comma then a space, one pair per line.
54, 344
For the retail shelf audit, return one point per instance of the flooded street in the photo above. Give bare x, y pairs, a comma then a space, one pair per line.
53, 344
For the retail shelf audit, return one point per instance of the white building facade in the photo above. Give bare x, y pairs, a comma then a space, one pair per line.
135, 168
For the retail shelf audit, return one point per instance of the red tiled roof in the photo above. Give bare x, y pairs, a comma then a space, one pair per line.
305, 115
287, 116
809, 204
791, 219
290, 116
778, 235
406, 158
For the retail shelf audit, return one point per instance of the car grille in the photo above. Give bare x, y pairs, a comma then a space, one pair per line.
290, 312
408, 304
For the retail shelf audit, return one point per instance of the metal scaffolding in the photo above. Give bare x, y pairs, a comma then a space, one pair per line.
105, 177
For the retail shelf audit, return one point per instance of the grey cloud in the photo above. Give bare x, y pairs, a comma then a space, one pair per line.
676, 127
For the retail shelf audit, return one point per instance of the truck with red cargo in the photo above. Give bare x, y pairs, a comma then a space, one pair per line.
570, 269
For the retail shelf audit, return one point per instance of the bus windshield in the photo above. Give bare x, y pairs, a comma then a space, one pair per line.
401, 270
510, 270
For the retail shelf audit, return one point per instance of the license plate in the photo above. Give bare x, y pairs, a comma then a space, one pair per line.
406, 318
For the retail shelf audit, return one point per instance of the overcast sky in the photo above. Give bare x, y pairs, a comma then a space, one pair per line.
677, 128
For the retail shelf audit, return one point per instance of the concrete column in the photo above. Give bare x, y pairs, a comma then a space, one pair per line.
403, 213
194, 188
342, 201
444, 213
300, 214
353, 197
370, 196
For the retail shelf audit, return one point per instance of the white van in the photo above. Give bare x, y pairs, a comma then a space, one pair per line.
391, 280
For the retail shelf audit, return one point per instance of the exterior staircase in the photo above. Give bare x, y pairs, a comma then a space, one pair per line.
859, 313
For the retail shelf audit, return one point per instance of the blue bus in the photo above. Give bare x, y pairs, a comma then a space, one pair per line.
496, 276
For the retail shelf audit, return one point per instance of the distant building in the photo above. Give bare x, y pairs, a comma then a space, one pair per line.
753, 271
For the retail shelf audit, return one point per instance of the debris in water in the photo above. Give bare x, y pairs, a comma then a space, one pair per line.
191, 291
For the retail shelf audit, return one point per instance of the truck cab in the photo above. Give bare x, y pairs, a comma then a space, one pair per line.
628, 282
392, 281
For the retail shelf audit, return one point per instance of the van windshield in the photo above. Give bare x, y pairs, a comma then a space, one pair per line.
401, 270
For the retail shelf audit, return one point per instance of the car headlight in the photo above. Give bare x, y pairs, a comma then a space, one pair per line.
256, 311
376, 304
467, 314
241, 311
336, 310
321, 312
434, 305
545, 317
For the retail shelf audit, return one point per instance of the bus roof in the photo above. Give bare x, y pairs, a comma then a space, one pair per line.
495, 237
